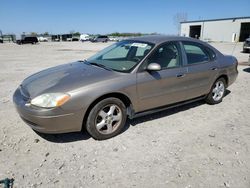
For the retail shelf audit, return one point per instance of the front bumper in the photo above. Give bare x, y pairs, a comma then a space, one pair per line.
54, 120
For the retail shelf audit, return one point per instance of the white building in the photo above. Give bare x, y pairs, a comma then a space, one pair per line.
223, 30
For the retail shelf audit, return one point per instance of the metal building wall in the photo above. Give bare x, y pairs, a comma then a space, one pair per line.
185, 28
218, 30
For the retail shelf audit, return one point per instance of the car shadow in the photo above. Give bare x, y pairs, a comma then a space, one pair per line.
83, 135
227, 92
164, 113
247, 70
65, 137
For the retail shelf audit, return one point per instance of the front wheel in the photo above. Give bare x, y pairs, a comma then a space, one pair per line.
217, 92
106, 119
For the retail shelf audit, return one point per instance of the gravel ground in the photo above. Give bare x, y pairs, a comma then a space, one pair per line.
196, 145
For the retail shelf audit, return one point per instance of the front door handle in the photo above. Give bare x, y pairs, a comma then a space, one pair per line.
214, 68
180, 75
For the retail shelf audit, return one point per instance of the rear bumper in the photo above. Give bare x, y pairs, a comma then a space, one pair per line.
232, 77
54, 120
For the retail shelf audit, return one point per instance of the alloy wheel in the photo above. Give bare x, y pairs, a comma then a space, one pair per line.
218, 90
108, 119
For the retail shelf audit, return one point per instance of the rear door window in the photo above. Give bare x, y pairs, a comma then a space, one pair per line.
195, 53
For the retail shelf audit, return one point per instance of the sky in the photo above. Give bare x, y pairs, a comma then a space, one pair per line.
107, 16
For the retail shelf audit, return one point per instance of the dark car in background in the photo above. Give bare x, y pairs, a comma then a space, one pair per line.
100, 38
27, 40
130, 78
246, 45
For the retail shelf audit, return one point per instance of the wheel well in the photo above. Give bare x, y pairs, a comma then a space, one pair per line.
126, 101
225, 77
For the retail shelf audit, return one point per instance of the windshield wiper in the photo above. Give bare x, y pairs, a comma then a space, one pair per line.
100, 65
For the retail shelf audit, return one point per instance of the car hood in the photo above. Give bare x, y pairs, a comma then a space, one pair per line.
65, 78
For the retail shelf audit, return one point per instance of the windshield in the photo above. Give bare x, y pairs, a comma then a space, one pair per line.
122, 56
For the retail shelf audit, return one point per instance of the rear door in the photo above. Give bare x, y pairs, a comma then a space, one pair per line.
202, 68
167, 86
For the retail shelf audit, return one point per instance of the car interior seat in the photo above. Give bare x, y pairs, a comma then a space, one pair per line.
166, 56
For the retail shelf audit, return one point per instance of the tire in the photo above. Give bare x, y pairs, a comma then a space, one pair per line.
106, 119
217, 92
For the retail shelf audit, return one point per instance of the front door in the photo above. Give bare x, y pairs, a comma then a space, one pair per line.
167, 86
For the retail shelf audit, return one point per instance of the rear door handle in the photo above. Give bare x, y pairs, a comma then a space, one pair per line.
180, 75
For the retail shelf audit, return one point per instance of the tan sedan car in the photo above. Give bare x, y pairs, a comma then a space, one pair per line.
130, 78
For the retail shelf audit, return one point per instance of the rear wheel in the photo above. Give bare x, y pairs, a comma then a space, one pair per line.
217, 92
106, 119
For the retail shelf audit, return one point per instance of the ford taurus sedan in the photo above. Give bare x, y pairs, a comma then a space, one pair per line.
130, 78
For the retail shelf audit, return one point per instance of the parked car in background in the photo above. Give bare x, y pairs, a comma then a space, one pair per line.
130, 78
115, 39
1, 40
55, 38
246, 45
84, 37
27, 40
42, 39
100, 38
75, 39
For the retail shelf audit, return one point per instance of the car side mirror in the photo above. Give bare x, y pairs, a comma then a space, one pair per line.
154, 67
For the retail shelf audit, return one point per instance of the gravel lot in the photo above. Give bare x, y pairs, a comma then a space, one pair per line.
196, 145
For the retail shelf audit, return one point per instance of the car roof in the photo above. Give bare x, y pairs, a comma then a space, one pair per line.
158, 39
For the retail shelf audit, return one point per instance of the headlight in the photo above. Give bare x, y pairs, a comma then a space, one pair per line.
50, 100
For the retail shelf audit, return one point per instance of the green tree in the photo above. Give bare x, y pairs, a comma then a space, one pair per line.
46, 33
76, 33
33, 33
